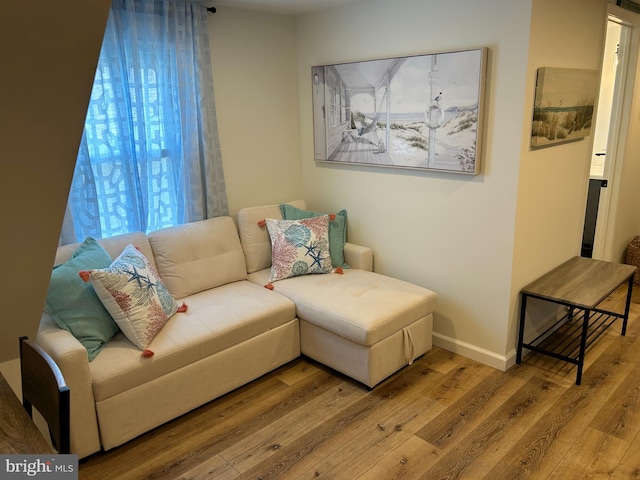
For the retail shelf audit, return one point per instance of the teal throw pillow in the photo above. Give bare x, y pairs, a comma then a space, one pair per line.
337, 230
74, 305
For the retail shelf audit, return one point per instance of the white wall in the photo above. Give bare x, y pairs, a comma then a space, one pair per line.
49, 52
553, 181
451, 233
255, 81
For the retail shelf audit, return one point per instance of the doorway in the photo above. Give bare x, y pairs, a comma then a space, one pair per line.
606, 135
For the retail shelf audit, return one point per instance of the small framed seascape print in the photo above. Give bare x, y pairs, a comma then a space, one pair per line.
563, 105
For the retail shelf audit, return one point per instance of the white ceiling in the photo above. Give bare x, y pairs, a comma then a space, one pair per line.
283, 7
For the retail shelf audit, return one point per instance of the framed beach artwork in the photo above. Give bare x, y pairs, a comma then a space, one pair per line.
416, 112
563, 105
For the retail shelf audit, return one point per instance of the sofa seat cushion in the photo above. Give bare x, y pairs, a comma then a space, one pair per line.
216, 319
363, 307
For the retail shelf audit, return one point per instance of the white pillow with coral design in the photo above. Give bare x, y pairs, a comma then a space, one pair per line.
133, 293
299, 247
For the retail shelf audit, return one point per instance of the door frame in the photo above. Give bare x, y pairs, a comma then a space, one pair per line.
603, 247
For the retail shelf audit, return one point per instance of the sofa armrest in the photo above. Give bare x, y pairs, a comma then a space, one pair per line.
357, 256
73, 361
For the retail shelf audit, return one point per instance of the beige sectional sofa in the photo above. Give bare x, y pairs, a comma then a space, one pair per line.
357, 322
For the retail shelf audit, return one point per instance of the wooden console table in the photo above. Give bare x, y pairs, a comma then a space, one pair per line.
18, 433
580, 284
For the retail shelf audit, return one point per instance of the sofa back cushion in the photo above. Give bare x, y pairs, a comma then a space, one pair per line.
114, 246
255, 240
197, 256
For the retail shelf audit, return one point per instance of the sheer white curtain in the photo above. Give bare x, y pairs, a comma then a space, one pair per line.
150, 154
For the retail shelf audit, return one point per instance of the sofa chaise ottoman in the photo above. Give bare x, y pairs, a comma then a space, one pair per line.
360, 323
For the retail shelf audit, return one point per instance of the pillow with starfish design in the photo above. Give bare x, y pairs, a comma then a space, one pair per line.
134, 295
299, 247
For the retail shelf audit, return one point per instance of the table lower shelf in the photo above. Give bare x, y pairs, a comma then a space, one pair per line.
562, 340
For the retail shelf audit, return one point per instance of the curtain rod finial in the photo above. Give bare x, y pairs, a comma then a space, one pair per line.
211, 9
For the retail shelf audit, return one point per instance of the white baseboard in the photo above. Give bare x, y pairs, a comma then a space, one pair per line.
492, 359
501, 362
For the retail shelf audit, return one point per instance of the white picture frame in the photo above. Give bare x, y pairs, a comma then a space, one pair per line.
421, 112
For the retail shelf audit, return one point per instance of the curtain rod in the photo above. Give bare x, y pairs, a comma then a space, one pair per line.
211, 9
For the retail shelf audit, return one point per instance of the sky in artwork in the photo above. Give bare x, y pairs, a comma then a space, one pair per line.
453, 76
566, 87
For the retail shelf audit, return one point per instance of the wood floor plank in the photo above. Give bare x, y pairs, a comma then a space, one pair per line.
251, 451
474, 455
471, 409
407, 462
593, 455
458, 381
441, 360
248, 427
298, 372
214, 467
404, 418
621, 415
629, 466
302, 456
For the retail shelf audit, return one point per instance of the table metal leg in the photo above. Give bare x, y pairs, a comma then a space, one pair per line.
627, 306
523, 309
583, 345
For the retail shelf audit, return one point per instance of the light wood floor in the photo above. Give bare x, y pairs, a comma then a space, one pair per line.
444, 417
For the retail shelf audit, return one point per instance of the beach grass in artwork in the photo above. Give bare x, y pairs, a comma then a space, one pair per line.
564, 105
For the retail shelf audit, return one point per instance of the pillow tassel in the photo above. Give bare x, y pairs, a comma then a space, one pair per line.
339, 271
183, 308
262, 223
85, 275
269, 286
332, 217
147, 353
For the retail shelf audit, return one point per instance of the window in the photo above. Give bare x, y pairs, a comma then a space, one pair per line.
345, 107
149, 156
